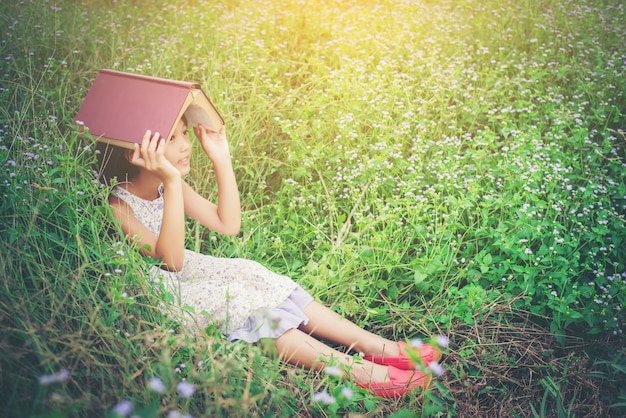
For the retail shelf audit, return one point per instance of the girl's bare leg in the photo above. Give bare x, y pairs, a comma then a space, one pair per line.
301, 349
327, 324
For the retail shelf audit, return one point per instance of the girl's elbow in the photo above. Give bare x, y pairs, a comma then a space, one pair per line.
232, 230
174, 267
231, 227
173, 263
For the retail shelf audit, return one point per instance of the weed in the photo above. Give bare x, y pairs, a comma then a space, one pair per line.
453, 165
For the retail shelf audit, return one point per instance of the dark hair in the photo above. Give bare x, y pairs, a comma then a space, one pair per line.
113, 165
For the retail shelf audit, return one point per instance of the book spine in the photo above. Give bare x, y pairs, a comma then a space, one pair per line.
185, 84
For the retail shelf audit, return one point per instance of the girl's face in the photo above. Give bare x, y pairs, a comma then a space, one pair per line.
178, 150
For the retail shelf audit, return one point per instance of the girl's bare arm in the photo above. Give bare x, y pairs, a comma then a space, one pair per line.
169, 245
225, 217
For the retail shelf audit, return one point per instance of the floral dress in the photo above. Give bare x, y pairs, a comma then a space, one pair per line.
243, 298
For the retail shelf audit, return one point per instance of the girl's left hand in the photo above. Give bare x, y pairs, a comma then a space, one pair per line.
150, 155
213, 143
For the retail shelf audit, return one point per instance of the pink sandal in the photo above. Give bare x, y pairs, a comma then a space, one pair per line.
400, 383
427, 353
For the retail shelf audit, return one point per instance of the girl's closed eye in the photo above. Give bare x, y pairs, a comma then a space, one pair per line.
184, 133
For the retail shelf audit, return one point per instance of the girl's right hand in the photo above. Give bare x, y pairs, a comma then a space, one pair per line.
150, 155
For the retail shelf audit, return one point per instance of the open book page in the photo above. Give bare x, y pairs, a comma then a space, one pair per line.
202, 111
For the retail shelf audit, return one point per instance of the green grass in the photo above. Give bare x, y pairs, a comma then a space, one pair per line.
424, 168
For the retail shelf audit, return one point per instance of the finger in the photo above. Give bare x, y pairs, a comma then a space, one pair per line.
154, 141
145, 142
200, 133
203, 129
199, 130
135, 158
160, 145
136, 153
152, 151
146, 137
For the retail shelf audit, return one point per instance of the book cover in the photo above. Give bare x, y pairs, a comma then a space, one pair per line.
119, 107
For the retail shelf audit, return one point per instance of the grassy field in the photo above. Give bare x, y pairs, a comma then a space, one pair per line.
426, 168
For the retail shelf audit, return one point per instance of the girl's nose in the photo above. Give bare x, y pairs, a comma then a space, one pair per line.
185, 143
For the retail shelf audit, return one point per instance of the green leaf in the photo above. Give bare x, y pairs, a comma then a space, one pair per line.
419, 279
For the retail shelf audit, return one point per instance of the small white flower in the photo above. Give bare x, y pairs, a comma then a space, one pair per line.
333, 371
61, 377
156, 385
347, 393
177, 414
56, 397
123, 408
185, 389
443, 341
417, 343
436, 368
47, 379
324, 397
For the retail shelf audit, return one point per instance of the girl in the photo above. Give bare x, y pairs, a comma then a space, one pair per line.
245, 300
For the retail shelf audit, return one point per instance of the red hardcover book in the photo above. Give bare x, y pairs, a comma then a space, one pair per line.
120, 107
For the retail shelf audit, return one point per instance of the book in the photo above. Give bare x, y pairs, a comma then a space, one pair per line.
119, 107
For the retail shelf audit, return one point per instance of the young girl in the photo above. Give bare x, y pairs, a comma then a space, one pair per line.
244, 299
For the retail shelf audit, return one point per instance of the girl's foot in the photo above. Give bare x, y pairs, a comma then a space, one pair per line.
396, 383
365, 372
427, 354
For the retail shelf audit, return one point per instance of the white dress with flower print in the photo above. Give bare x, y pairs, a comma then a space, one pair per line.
229, 290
